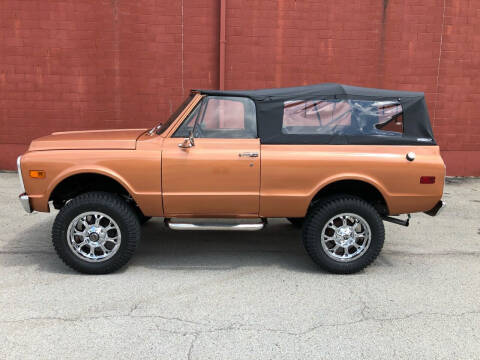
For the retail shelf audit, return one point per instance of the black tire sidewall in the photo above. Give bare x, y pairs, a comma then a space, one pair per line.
109, 204
296, 222
321, 213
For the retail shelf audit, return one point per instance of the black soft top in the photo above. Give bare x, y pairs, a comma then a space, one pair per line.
305, 92
270, 107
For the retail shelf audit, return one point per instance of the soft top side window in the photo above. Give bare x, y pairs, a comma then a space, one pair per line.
221, 117
342, 117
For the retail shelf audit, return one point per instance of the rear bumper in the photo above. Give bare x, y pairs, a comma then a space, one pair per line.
25, 201
436, 209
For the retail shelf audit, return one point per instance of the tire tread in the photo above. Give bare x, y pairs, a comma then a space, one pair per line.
322, 210
105, 200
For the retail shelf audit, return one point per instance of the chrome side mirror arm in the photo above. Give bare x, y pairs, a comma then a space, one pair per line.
187, 142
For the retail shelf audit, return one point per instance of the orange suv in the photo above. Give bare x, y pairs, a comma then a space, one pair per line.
334, 160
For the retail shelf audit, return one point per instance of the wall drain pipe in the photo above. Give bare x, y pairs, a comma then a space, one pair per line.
223, 6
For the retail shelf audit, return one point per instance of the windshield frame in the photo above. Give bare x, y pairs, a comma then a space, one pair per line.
160, 129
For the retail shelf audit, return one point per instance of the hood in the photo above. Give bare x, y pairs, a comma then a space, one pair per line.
84, 140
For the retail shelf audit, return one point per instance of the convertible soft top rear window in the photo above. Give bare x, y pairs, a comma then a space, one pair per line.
342, 117
338, 114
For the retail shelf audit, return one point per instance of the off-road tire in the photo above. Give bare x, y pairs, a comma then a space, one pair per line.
143, 219
113, 206
296, 222
324, 210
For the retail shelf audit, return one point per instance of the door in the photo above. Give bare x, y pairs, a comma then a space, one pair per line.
220, 174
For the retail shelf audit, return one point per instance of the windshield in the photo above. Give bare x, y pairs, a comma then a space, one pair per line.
163, 126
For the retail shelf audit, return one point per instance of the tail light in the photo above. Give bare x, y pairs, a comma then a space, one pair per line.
427, 179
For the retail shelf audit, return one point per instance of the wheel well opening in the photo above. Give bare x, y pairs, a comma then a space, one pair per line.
358, 188
81, 183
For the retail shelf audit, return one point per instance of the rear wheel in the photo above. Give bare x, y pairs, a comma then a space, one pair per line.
343, 235
297, 222
96, 233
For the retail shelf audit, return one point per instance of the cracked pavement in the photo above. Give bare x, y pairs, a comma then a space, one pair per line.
232, 295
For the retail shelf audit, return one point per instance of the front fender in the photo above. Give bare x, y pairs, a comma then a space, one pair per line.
100, 170
138, 172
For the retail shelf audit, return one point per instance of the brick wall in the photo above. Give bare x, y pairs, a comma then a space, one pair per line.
70, 65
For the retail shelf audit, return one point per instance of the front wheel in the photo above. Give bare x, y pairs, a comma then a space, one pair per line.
144, 219
96, 233
343, 235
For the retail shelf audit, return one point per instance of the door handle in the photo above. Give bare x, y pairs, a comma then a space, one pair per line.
248, 154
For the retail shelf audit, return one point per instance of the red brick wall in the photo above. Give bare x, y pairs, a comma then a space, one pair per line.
69, 65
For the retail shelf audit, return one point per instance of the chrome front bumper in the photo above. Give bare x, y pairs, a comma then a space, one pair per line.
436, 209
25, 201
23, 197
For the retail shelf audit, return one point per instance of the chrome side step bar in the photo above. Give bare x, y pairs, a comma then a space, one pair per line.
212, 226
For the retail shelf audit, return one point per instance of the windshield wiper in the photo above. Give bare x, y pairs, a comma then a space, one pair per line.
154, 130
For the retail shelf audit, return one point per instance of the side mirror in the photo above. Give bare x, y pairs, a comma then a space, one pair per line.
187, 142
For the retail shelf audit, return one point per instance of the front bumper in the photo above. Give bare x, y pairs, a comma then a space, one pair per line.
23, 197
436, 209
25, 201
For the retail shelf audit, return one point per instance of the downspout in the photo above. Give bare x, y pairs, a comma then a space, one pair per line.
222, 45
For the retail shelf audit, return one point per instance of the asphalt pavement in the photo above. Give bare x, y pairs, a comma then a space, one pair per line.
234, 295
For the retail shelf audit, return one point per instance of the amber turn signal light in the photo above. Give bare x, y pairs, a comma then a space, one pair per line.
427, 179
37, 174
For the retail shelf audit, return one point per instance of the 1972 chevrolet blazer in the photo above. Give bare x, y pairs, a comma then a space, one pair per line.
335, 160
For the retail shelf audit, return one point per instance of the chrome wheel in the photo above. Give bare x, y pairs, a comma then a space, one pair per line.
346, 237
94, 236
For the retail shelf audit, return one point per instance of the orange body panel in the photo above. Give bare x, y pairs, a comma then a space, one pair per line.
93, 139
138, 171
293, 174
210, 179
